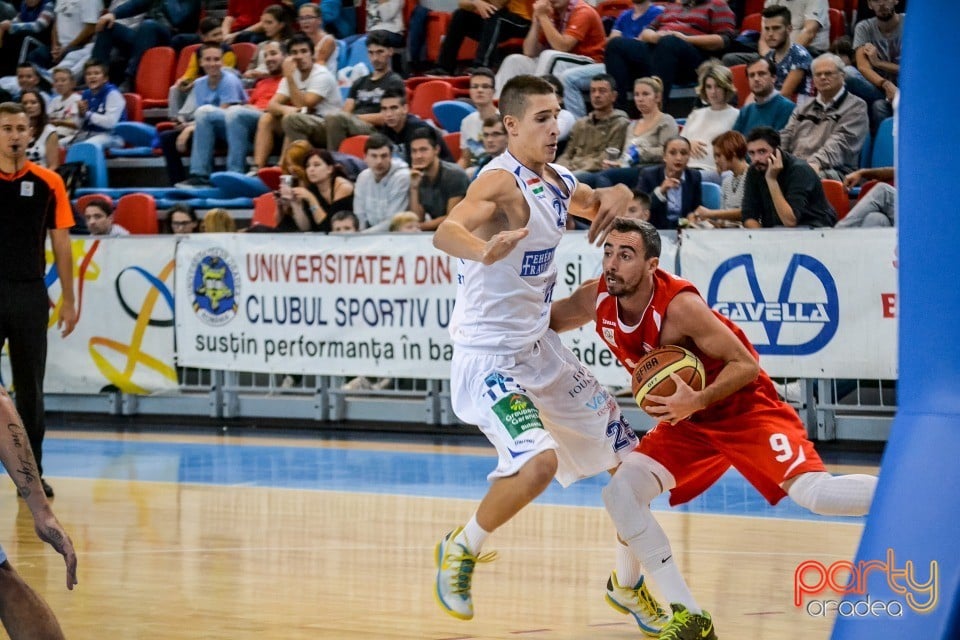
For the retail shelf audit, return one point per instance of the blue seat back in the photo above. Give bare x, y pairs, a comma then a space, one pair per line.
710, 195
450, 113
92, 156
882, 154
358, 53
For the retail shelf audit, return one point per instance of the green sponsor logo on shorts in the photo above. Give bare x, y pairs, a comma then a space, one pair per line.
517, 414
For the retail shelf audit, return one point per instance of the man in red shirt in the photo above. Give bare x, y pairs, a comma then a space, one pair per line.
672, 46
236, 125
736, 420
563, 34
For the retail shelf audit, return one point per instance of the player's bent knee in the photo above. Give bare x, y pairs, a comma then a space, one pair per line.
628, 495
828, 495
540, 470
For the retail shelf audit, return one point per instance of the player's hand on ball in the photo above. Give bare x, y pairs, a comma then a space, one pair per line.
502, 244
681, 405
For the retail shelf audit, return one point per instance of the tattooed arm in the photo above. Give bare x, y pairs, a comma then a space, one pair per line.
18, 460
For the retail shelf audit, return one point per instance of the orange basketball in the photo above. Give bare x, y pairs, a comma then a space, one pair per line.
652, 374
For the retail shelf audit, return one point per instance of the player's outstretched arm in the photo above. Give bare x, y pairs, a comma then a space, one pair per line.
18, 460
576, 310
601, 206
478, 228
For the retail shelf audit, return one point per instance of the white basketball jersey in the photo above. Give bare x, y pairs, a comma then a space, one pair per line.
505, 307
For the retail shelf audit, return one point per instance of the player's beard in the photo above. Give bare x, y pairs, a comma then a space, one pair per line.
619, 288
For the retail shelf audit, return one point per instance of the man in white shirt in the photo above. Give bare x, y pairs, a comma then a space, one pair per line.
811, 24
71, 41
307, 93
383, 188
63, 110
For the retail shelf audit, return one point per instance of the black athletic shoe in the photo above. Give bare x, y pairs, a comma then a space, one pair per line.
47, 489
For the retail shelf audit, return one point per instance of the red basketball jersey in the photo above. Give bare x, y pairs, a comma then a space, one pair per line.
630, 344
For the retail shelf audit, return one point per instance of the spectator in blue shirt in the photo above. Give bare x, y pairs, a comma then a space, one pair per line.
769, 108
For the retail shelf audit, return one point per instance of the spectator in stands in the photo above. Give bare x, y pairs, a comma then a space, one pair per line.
101, 107
263, 19
489, 23
308, 207
644, 138
218, 221
386, 16
494, 143
210, 33
162, 19
629, 24
27, 79
436, 186
673, 187
399, 125
565, 119
877, 43
64, 109
767, 107
794, 77
810, 24
405, 222
307, 94
361, 111
33, 21
878, 207
605, 128
383, 188
71, 41
324, 44
43, 148
639, 207
780, 189
673, 45
715, 88
482, 87
236, 125
344, 222
98, 214
828, 132
182, 219
730, 152
274, 25
216, 89
564, 33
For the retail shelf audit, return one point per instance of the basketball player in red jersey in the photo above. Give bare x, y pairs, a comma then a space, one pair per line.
736, 420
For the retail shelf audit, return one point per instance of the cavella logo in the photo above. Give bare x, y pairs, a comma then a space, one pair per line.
799, 319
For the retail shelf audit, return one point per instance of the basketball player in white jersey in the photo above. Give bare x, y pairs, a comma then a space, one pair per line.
541, 408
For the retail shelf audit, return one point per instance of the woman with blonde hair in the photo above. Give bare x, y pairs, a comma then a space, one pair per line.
645, 137
715, 89
405, 222
218, 221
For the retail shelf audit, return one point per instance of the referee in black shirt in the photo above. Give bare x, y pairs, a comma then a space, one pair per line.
33, 202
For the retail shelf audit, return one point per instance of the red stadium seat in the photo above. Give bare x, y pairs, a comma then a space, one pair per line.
155, 76
85, 199
137, 213
453, 143
354, 146
245, 51
612, 8
752, 22
837, 196
270, 176
134, 107
426, 94
264, 211
183, 60
741, 83
838, 24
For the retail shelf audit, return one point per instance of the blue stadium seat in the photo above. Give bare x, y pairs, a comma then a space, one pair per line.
358, 53
230, 203
710, 195
236, 185
343, 50
882, 154
92, 156
450, 113
866, 151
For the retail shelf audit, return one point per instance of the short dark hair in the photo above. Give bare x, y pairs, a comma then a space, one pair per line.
346, 215
378, 38
93, 62
605, 77
778, 11
313, 7
208, 24
555, 83
11, 108
377, 141
770, 64
642, 197
731, 144
666, 143
300, 38
395, 92
100, 203
485, 72
426, 133
768, 134
648, 233
183, 207
491, 121
207, 45
513, 98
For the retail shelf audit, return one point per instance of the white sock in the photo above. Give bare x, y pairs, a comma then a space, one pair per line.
629, 569
829, 495
665, 574
474, 535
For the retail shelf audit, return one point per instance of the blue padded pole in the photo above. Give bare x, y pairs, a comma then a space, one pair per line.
916, 511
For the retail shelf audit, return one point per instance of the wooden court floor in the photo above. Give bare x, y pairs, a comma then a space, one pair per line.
176, 560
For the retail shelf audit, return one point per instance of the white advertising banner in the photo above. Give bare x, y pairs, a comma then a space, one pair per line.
815, 303
124, 335
341, 305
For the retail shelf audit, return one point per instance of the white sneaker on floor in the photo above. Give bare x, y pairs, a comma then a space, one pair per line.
639, 603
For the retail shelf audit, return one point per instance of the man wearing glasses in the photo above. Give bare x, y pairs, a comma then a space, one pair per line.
828, 132
481, 95
494, 143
